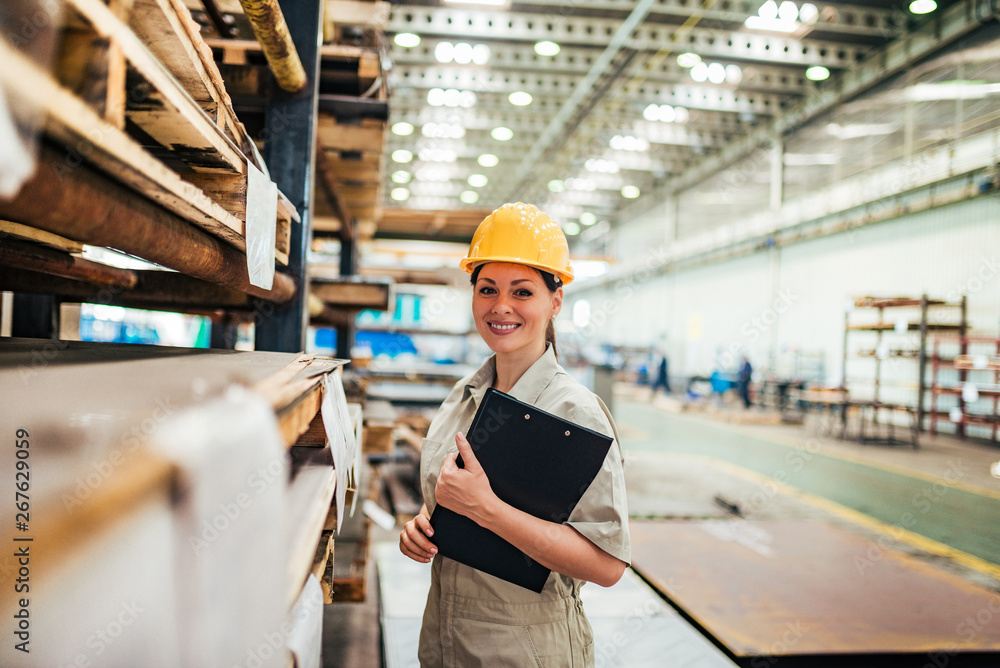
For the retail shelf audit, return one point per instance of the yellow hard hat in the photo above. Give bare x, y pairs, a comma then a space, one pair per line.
522, 234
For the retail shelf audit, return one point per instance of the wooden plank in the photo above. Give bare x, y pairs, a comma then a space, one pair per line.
295, 420
167, 113
48, 260
355, 171
93, 67
353, 294
315, 434
88, 136
308, 503
332, 135
40, 236
374, 14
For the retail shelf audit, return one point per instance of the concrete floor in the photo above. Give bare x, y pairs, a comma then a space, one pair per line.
938, 503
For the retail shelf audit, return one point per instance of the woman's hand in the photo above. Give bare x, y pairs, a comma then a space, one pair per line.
466, 491
414, 540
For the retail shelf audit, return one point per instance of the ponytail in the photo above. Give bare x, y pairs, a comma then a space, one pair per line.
550, 336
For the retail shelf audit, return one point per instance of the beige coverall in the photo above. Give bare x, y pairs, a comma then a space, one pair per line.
474, 619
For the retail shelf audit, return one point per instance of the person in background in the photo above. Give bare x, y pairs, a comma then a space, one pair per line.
519, 261
662, 376
746, 371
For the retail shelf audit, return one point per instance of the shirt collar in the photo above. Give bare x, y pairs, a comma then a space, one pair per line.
527, 388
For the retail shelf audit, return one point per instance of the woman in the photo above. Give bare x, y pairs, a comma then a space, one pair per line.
519, 261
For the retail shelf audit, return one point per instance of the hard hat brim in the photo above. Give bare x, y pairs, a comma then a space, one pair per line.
469, 265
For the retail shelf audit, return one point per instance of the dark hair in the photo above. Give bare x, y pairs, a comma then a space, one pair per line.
553, 283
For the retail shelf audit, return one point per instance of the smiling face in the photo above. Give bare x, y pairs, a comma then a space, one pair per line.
512, 307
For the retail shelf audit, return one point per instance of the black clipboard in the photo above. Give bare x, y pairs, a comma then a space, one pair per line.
536, 462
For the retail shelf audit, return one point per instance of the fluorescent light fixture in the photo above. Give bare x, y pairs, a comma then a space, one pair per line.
463, 53
810, 159
950, 90
585, 185
857, 130
442, 131
402, 128
770, 25
478, 180
630, 192
571, 229
601, 166
488, 160
808, 13
469, 196
433, 173
681, 115
700, 72
401, 155
407, 40
734, 74
922, 6
788, 11
444, 52
401, 176
769, 10
480, 54
546, 48
629, 143
486, 3
556, 186
519, 98
502, 134
400, 194
688, 59
651, 112
587, 218
817, 73
716, 73
437, 155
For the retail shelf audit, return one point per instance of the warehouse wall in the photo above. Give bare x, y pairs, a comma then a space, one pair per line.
774, 301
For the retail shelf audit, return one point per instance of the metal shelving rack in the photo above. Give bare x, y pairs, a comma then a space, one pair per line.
914, 349
977, 363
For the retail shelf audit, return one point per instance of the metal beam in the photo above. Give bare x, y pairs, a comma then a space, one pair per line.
953, 23
738, 45
289, 150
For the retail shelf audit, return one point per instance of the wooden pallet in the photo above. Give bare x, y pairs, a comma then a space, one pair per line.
131, 106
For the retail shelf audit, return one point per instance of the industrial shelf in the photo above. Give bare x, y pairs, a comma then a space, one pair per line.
167, 477
907, 348
976, 363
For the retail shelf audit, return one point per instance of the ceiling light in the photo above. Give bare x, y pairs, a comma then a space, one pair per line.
587, 218
922, 6
857, 130
546, 48
770, 25
401, 155
442, 131
437, 155
734, 74
469, 196
435, 97
629, 143
463, 53
630, 192
478, 180
402, 128
581, 184
491, 3
520, 98
700, 72
502, 134
808, 13
950, 90
681, 115
716, 73
688, 59
433, 173
817, 73
488, 160
401, 176
444, 52
787, 11
602, 166
571, 229
556, 186
400, 194
651, 113
407, 40
769, 10
480, 54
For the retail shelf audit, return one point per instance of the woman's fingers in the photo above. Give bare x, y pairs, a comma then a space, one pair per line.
413, 541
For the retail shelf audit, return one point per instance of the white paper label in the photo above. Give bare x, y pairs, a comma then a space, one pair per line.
262, 214
970, 393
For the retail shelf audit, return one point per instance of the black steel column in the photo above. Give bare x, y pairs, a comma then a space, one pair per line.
348, 267
289, 150
224, 333
35, 316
